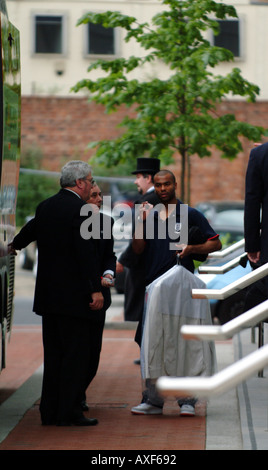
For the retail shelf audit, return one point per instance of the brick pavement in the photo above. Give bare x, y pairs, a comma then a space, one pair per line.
114, 391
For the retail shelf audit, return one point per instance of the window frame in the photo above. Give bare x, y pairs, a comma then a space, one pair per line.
89, 55
63, 16
240, 22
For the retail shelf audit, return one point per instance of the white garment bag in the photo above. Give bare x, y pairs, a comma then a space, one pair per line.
168, 306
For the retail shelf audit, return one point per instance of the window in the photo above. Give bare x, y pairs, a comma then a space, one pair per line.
48, 34
228, 36
101, 41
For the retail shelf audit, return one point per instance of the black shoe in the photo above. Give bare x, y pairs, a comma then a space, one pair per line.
79, 422
84, 405
85, 421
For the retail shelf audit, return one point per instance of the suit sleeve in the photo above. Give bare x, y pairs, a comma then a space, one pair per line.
109, 258
87, 255
26, 235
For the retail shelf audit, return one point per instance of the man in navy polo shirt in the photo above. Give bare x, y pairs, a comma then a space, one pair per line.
157, 245
155, 237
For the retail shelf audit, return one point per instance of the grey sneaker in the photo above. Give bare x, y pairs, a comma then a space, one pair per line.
187, 410
146, 409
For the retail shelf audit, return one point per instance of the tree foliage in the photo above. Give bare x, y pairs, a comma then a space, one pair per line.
177, 114
33, 188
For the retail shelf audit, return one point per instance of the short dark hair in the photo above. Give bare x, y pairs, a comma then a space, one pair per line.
164, 173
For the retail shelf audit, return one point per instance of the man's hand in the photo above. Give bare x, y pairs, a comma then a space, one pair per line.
107, 280
138, 243
11, 249
183, 250
97, 301
144, 210
119, 267
254, 257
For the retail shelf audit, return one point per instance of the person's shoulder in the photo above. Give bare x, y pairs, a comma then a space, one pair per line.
141, 199
195, 214
64, 194
191, 210
259, 151
106, 218
74, 200
151, 197
48, 201
64, 199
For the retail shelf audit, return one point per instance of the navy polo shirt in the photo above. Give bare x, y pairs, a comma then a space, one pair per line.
159, 256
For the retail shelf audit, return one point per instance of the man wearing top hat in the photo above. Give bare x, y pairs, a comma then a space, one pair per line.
135, 277
146, 169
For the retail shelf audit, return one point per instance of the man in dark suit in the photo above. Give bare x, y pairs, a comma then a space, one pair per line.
67, 295
256, 220
256, 205
108, 267
135, 277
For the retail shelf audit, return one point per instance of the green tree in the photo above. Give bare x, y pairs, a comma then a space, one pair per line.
33, 188
179, 114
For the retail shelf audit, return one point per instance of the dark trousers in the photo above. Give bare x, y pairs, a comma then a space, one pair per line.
256, 294
71, 355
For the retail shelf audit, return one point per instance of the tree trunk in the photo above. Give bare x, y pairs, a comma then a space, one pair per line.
183, 165
188, 180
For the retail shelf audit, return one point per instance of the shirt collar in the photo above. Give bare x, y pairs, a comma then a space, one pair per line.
156, 213
71, 191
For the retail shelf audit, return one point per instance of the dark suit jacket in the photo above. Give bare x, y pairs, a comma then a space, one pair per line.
69, 267
107, 255
256, 198
256, 220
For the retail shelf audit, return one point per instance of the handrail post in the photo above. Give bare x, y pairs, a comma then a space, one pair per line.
261, 337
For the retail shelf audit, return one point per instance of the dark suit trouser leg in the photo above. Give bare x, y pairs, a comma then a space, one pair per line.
96, 345
52, 365
68, 352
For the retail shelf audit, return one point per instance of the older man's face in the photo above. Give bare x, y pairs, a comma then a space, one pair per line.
86, 189
95, 196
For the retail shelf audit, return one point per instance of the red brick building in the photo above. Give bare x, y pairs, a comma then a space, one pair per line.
63, 127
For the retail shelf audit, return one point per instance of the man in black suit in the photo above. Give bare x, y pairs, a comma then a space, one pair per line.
256, 205
256, 220
135, 273
67, 295
108, 267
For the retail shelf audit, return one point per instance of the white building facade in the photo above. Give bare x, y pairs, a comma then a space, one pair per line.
55, 52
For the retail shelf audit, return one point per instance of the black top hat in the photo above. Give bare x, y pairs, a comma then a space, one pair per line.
147, 165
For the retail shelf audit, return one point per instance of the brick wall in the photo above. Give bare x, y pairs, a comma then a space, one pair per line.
63, 127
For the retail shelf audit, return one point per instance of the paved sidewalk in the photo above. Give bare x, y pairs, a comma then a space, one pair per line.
253, 395
237, 420
115, 390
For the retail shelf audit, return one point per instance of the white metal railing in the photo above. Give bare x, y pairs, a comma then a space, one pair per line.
228, 250
248, 319
232, 288
218, 383
237, 372
221, 269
